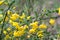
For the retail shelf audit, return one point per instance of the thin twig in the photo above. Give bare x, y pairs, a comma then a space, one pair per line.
49, 18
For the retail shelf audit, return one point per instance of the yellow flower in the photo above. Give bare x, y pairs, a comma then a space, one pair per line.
52, 21
28, 17
14, 16
23, 16
8, 29
20, 28
1, 2
21, 32
32, 31
39, 32
9, 12
40, 35
58, 11
18, 33
16, 24
25, 26
10, 21
34, 25
1, 15
5, 32
43, 26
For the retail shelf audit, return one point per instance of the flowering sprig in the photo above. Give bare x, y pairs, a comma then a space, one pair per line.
5, 18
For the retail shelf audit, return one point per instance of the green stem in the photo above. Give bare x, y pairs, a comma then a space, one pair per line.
4, 19
49, 18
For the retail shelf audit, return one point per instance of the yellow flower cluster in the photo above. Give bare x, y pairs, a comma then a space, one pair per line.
16, 24
14, 16
22, 16
9, 12
5, 32
34, 25
40, 34
25, 25
8, 29
18, 33
21, 29
32, 31
52, 21
42, 26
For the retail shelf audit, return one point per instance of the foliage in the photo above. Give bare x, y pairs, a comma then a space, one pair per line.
28, 20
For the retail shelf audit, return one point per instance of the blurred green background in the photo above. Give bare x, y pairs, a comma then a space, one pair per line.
33, 5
